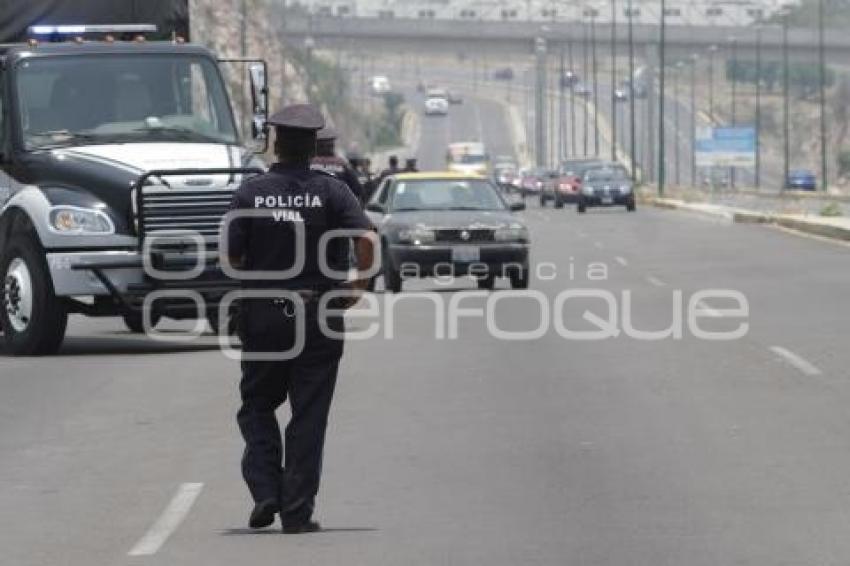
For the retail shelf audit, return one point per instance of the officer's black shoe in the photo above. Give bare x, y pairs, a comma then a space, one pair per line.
263, 513
299, 528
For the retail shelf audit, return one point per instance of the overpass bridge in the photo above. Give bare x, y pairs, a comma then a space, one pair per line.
495, 39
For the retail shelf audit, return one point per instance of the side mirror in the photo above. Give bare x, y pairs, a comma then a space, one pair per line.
375, 207
517, 206
259, 100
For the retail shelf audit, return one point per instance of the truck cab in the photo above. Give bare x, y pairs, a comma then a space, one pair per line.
118, 160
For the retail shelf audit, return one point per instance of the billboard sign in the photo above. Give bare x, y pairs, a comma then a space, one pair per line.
726, 147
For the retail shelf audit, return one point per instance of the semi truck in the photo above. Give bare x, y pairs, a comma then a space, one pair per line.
118, 160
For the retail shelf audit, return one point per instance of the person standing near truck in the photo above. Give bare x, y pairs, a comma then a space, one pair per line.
328, 161
296, 198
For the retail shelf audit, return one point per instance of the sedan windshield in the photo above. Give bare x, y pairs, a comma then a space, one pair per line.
446, 195
122, 98
606, 175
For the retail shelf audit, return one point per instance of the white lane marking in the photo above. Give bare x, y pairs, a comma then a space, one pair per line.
656, 281
581, 234
622, 261
169, 521
708, 311
599, 245
798, 362
479, 125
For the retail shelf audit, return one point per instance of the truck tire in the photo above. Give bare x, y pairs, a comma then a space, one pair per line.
33, 318
487, 282
135, 323
519, 279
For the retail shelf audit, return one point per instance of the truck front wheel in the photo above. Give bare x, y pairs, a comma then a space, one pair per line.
33, 318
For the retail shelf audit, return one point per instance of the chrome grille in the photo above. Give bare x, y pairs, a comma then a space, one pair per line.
162, 210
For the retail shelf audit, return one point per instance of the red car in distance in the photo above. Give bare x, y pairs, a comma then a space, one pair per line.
567, 185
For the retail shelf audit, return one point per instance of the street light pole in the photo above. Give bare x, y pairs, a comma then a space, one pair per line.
786, 102
562, 109
573, 145
613, 80
632, 144
734, 70
676, 129
693, 141
661, 77
595, 83
822, 65
585, 68
712, 49
758, 108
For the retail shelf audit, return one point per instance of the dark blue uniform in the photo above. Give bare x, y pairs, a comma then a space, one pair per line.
319, 203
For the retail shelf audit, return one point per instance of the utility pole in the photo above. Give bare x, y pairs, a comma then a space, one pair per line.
661, 73
822, 64
614, 80
632, 129
786, 102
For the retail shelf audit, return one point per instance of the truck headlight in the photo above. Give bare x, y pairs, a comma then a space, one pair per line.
74, 220
416, 235
587, 189
512, 233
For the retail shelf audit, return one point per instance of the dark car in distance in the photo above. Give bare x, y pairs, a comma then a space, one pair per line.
609, 185
448, 224
565, 188
801, 180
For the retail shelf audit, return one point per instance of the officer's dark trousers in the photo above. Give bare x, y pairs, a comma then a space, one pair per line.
308, 382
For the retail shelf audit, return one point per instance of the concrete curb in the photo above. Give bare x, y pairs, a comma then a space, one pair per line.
837, 229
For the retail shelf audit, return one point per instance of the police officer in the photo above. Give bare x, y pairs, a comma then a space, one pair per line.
328, 161
410, 165
295, 198
391, 170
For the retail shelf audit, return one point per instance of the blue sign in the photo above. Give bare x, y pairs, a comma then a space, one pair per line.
726, 147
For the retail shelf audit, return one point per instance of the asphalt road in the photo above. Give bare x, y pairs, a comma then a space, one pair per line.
477, 450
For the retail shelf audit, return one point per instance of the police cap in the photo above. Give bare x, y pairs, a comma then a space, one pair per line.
298, 117
326, 134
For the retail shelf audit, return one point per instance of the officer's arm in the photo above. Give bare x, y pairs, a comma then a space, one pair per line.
354, 183
364, 250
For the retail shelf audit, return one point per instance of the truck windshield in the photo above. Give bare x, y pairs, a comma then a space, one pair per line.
94, 99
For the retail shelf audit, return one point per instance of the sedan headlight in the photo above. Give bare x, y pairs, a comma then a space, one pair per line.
416, 235
587, 189
625, 189
512, 233
74, 220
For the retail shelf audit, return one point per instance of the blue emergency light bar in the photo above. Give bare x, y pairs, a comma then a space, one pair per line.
84, 29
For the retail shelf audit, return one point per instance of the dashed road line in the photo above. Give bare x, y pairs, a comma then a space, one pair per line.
795, 360
656, 281
621, 260
169, 521
599, 245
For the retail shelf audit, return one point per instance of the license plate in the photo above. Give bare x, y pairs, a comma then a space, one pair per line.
607, 200
466, 254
